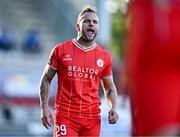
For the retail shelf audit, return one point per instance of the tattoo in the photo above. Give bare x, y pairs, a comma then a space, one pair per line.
109, 92
45, 85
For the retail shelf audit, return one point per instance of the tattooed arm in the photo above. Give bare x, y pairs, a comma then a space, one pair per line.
46, 116
110, 94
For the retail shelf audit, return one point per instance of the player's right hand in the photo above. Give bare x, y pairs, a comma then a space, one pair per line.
46, 116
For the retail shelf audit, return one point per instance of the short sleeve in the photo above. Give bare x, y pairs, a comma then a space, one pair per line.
54, 58
107, 72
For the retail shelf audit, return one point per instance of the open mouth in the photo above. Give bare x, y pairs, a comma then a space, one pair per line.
90, 32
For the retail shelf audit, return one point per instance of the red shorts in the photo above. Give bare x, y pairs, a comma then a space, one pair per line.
66, 126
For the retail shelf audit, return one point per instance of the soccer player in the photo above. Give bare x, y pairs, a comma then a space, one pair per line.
154, 67
80, 64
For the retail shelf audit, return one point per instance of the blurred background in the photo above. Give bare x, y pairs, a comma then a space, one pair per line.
29, 29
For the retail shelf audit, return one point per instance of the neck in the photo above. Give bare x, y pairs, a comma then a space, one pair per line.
84, 42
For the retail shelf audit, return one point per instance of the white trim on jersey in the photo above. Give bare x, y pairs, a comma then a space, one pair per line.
53, 67
107, 77
82, 47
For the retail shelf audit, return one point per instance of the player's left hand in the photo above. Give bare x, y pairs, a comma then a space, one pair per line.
112, 116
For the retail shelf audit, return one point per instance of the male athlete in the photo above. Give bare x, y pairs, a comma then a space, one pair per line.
80, 64
154, 67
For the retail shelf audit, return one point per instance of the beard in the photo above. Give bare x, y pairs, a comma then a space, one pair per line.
87, 39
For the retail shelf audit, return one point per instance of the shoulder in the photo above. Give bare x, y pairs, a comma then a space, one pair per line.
61, 45
102, 49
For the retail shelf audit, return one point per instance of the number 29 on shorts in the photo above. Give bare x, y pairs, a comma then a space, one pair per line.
61, 130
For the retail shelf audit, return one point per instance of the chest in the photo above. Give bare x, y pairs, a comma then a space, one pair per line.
80, 63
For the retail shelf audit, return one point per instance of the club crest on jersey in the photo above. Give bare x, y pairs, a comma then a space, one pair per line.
66, 57
100, 63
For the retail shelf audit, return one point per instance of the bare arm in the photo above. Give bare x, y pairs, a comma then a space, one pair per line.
110, 94
45, 85
45, 82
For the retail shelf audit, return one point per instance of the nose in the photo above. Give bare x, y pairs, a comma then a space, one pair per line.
91, 23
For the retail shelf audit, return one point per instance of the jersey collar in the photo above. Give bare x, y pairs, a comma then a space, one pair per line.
82, 47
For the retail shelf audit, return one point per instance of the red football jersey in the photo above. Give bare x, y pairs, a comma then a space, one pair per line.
79, 71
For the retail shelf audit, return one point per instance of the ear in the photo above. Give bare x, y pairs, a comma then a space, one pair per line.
77, 27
